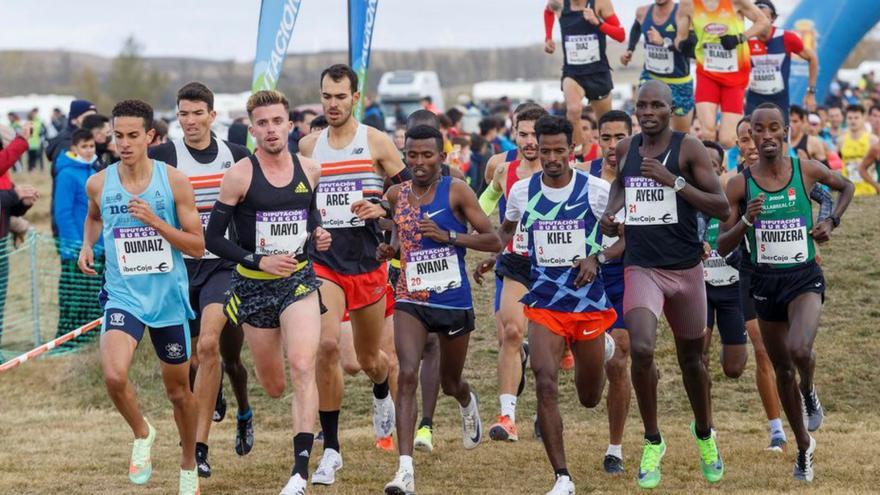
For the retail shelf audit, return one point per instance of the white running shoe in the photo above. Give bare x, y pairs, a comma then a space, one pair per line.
383, 417
471, 426
403, 484
803, 466
610, 347
563, 486
325, 474
296, 485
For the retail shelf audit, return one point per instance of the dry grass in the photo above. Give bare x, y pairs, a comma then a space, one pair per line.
60, 432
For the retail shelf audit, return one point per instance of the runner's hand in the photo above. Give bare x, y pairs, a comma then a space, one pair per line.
707, 250
27, 194
810, 102
754, 208
141, 210
278, 264
432, 231
322, 239
366, 210
384, 252
86, 261
590, 16
549, 46
484, 267
729, 41
654, 37
653, 169
587, 269
821, 232
626, 58
609, 225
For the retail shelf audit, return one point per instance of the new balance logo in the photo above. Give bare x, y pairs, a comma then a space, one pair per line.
301, 188
357, 151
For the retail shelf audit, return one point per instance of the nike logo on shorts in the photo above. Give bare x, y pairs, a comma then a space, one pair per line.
455, 331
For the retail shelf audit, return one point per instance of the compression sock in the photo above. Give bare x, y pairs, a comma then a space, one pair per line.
330, 427
302, 451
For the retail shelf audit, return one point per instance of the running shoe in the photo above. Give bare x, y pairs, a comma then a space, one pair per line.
404, 483
189, 482
649, 468
803, 467
296, 485
424, 440
563, 486
813, 411
504, 430
141, 468
383, 416
220, 405
610, 347
244, 435
777, 444
612, 464
385, 443
710, 459
471, 426
202, 466
325, 474
567, 362
524, 360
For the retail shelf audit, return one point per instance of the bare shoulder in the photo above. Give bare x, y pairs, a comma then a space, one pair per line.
640, 12
176, 176
378, 138
307, 144
311, 167
392, 192
95, 183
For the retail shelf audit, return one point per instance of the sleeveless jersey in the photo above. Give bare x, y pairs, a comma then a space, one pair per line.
144, 274
519, 244
780, 235
771, 66
274, 220
661, 227
583, 43
662, 63
560, 234
606, 241
347, 175
432, 273
502, 201
729, 67
716, 271
205, 179
852, 153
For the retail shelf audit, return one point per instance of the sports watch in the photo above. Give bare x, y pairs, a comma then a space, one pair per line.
680, 182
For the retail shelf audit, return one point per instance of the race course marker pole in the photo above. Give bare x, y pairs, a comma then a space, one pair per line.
48, 346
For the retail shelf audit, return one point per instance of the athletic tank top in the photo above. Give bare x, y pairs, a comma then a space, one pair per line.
144, 274
852, 153
606, 241
205, 179
716, 271
660, 61
274, 220
729, 67
502, 201
560, 234
802, 145
432, 273
583, 43
771, 65
780, 235
347, 175
519, 244
661, 227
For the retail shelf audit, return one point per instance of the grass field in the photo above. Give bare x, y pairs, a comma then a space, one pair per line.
61, 434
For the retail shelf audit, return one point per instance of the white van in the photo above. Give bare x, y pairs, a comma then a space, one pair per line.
405, 89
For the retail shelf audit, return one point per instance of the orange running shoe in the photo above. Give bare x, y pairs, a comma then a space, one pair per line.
567, 363
385, 443
504, 430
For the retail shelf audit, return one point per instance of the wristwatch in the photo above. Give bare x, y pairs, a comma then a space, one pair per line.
601, 257
811, 90
453, 236
680, 182
835, 220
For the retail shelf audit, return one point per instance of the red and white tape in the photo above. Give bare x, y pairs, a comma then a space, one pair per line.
48, 346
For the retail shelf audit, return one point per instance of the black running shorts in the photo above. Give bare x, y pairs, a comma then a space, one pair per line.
209, 282
516, 267
596, 86
448, 322
259, 302
724, 307
773, 290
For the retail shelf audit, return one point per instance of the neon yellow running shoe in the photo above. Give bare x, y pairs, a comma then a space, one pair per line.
141, 467
424, 440
710, 459
649, 469
189, 482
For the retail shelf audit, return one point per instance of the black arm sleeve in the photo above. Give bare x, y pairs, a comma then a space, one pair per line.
826, 202
217, 243
635, 33
404, 175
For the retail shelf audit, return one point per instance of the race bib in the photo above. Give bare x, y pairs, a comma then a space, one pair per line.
766, 80
852, 172
582, 49
717, 59
335, 199
781, 241
142, 251
521, 240
658, 59
607, 240
434, 270
559, 242
649, 203
717, 272
204, 216
281, 232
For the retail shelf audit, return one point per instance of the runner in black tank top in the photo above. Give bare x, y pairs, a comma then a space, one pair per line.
665, 179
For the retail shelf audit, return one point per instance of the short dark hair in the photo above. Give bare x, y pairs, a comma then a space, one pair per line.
196, 91
767, 105
616, 116
134, 108
522, 107
746, 119
94, 121
530, 114
454, 115
308, 111
339, 71
425, 132
715, 146
488, 124
444, 121
422, 117
427, 98
797, 110
81, 135
161, 128
551, 125
265, 98
588, 116
319, 122
855, 107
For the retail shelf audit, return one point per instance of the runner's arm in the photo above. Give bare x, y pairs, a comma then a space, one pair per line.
823, 175
635, 32
549, 21
732, 230
871, 157
705, 193
683, 21
189, 238
232, 190
93, 226
483, 236
387, 156
760, 23
825, 200
615, 251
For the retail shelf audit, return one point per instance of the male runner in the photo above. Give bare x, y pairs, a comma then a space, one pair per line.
204, 159
566, 301
770, 208
585, 70
656, 22
855, 144
269, 197
354, 160
590, 149
147, 213
723, 64
771, 64
665, 178
806, 147
431, 215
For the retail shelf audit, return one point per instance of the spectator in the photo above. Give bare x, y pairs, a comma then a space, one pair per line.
480, 153
301, 122
501, 142
13, 202
835, 122
35, 142
237, 132
105, 150
58, 119
590, 148
461, 154
399, 139
373, 115
161, 129
11, 152
488, 132
77, 295
444, 124
428, 104
455, 115
79, 110
318, 124
399, 116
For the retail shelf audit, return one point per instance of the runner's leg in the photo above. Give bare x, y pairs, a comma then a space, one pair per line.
804, 312
682, 123
619, 386
117, 350
706, 114
267, 349
727, 130
347, 356
368, 325
176, 380
207, 382
642, 326
589, 370
765, 376
390, 350
410, 337
775, 335
545, 351
601, 106
453, 353
429, 378
329, 372
513, 329
231, 342
300, 329
574, 97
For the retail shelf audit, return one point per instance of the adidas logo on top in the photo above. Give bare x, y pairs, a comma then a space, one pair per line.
301, 188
